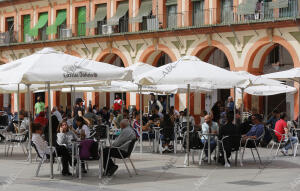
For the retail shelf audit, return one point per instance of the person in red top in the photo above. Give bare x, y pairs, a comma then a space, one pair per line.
118, 103
281, 131
281, 127
41, 119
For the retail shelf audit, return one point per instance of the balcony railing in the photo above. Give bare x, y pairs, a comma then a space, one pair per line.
8, 37
197, 18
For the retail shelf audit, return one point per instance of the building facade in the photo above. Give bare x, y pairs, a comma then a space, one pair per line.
258, 36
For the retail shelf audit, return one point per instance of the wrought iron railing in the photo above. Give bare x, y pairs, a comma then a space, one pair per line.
264, 12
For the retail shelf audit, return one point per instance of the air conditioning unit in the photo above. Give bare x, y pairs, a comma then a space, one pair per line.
152, 24
28, 38
107, 29
66, 33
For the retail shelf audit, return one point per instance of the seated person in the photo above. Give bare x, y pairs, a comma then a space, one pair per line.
91, 116
255, 132
212, 127
233, 141
185, 119
42, 148
167, 132
83, 131
127, 134
65, 135
41, 119
137, 126
105, 114
282, 132
25, 122
120, 117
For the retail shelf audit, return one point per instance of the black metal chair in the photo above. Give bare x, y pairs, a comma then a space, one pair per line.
252, 144
131, 144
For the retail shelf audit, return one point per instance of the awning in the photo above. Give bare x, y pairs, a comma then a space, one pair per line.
171, 2
145, 10
99, 16
43, 19
121, 11
60, 19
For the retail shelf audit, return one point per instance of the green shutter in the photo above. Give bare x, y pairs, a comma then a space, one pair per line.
81, 21
60, 19
43, 19
26, 26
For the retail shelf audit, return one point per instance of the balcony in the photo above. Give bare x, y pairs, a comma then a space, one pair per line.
8, 37
202, 18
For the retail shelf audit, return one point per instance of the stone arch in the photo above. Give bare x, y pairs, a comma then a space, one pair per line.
206, 50
108, 55
259, 45
151, 51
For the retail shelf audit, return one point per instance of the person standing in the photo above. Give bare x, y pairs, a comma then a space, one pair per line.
230, 103
118, 103
39, 106
153, 103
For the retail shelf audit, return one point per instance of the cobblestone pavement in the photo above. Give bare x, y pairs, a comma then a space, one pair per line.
157, 172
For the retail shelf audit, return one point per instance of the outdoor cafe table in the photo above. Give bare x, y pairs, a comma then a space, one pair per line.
209, 135
75, 153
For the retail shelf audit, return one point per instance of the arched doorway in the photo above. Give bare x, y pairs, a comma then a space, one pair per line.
217, 57
278, 59
157, 57
114, 57
267, 56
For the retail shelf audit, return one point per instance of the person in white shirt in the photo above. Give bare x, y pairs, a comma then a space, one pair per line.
25, 122
83, 130
209, 127
57, 114
42, 148
153, 103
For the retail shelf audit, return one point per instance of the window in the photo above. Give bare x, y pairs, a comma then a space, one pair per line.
198, 12
100, 17
43, 30
123, 23
144, 14
9, 24
26, 27
59, 25
227, 11
61, 22
171, 13
39, 30
9, 28
81, 21
120, 18
289, 9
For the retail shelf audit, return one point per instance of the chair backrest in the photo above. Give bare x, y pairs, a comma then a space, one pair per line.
131, 146
101, 132
273, 135
36, 150
4, 120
